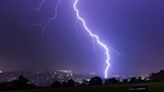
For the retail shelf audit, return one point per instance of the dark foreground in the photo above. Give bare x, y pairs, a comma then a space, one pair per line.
153, 87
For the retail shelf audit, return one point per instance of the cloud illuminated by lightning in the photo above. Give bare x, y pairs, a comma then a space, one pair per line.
96, 37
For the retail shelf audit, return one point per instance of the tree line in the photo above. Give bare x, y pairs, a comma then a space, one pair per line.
24, 83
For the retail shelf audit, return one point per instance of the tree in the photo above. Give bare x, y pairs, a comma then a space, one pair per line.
70, 83
125, 81
111, 81
64, 84
95, 81
157, 77
21, 83
133, 80
56, 84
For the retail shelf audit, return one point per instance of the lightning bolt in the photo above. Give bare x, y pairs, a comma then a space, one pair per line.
94, 36
39, 7
52, 17
49, 20
36, 10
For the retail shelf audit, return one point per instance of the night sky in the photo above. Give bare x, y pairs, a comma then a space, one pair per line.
135, 28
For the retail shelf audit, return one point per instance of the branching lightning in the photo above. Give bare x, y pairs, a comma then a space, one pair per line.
36, 10
52, 18
96, 37
39, 7
93, 35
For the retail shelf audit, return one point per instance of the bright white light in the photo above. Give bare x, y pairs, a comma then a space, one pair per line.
95, 37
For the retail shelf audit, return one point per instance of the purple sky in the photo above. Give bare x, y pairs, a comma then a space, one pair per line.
133, 27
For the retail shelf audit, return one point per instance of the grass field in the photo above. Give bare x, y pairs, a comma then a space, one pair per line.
153, 87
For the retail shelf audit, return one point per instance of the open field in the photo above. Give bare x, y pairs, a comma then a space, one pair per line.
153, 87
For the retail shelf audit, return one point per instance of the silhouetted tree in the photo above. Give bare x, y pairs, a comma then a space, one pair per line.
4, 86
71, 83
111, 81
125, 81
21, 83
157, 77
140, 80
64, 84
56, 84
95, 81
133, 80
